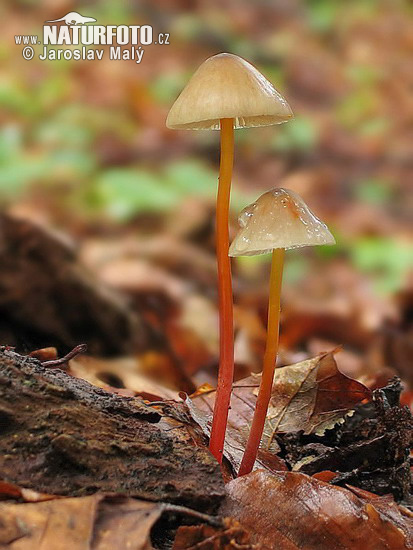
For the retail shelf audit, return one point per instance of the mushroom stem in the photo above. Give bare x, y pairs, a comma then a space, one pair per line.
270, 358
226, 325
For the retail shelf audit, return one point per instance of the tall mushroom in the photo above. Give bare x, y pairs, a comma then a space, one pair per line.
278, 220
226, 92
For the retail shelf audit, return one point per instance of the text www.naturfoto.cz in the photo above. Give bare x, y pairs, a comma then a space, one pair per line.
26, 39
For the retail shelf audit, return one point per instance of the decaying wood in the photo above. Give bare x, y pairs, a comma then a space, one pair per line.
48, 298
61, 435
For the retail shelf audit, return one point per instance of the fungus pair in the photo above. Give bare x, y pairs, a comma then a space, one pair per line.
226, 93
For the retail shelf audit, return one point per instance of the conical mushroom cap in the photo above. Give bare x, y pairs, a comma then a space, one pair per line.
227, 86
278, 219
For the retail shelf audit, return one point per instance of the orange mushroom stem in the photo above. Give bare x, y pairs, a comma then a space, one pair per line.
270, 359
226, 356
278, 220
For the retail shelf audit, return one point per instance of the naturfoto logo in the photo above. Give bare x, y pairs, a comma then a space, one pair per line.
125, 42
73, 18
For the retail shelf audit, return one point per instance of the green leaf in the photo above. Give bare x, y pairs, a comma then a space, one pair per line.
190, 177
167, 86
387, 261
373, 191
122, 193
322, 14
299, 134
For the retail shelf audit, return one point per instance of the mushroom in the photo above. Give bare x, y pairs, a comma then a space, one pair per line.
278, 220
226, 92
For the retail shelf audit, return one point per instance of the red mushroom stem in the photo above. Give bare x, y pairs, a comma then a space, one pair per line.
270, 358
226, 324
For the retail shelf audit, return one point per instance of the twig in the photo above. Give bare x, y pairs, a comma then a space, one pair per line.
182, 510
81, 348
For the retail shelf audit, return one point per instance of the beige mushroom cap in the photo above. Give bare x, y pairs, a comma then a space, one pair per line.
227, 86
278, 219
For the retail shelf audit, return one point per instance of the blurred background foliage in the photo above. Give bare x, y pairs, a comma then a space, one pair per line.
84, 143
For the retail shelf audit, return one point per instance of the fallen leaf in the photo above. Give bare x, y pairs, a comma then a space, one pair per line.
12, 491
310, 396
291, 511
387, 507
119, 373
163, 253
44, 354
334, 302
235, 440
52, 525
202, 389
99, 522
125, 524
325, 475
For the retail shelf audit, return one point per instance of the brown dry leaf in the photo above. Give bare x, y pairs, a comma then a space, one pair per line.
87, 523
12, 491
52, 525
291, 511
334, 303
164, 367
202, 389
387, 507
137, 276
101, 522
119, 373
162, 270
312, 395
164, 253
205, 537
188, 347
250, 336
125, 524
235, 439
45, 354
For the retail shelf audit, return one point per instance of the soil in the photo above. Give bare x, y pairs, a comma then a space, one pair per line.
370, 450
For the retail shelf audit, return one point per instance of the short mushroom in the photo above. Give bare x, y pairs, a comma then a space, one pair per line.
278, 220
226, 92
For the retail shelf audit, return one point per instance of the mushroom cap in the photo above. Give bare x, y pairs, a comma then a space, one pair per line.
278, 219
227, 86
